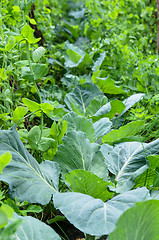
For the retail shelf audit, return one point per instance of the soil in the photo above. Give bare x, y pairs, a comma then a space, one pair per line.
70, 231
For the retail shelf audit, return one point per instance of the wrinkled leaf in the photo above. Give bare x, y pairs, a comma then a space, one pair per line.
81, 97
127, 160
28, 180
93, 216
79, 123
102, 127
78, 153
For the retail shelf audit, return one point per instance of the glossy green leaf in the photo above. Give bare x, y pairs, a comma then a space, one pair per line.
6, 212
28, 180
5, 159
80, 123
3, 219
116, 108
78, 153
106, 84
47, 108
28, 33
88, 183
19, 113
11, 43
124, 133
139, 222
3, 75
93, 216
32, 106
38, 53
110, 109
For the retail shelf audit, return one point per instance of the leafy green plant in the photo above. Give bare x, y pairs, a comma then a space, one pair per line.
85, 147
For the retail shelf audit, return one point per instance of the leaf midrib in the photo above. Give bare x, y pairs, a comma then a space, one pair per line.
126, 164
31, 167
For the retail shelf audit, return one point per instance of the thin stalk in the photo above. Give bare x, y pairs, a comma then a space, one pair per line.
37, 89
31, 70
42, 122
28, 115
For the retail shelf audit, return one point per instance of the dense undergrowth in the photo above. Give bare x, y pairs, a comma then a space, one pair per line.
79, 103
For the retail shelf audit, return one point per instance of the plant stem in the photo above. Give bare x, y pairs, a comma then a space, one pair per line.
88, 237
37, 89
31, 70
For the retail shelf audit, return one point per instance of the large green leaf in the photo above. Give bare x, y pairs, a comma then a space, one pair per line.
128, 102
88, 183
33, 229
28, 180
140, 222
124, 133
102, 127
128, 160
118, 107
78, 153
110, 109
105, 83
80, 98
93, 216
80, 123
95, 104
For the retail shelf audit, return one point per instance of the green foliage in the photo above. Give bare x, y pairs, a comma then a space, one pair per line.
140, 222
80, 80
124, 134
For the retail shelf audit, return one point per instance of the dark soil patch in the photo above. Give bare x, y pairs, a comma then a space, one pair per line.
70, 231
